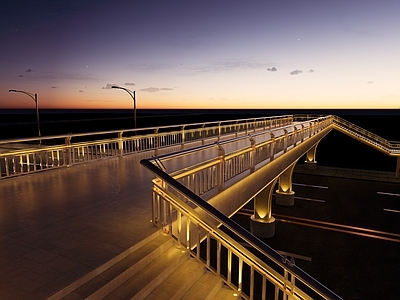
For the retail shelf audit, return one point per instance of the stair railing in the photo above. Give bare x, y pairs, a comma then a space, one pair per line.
209, 236
365, 136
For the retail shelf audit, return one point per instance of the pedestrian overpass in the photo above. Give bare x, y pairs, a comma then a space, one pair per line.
204, 174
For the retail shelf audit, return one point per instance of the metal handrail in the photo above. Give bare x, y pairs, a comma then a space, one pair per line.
240, 232
138, 130
50, 153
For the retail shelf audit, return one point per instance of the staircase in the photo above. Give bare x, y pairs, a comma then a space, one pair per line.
366, 137
157, 268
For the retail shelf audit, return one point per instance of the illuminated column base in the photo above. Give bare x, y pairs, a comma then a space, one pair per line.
284, 199
310, 165
262, 228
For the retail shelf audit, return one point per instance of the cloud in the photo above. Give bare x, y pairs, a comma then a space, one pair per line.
54, 87
108, 86
311, 71
151, 67
229, 65
80, 91
28, 70
296, 72
155, 89
20, 76
52, 76
370, 82
130, 83
273, 69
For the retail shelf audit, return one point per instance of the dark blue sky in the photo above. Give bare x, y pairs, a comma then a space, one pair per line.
203, 54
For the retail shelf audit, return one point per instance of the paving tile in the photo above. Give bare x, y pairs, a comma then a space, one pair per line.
40, 255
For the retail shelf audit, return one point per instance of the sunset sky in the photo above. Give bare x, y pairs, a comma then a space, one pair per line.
201, 54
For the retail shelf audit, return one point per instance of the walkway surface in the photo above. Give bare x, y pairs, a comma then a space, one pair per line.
58, 225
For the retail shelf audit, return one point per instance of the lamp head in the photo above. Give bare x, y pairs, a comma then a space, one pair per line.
12, 91
115, 87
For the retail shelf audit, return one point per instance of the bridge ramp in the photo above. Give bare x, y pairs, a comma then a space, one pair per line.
158, 268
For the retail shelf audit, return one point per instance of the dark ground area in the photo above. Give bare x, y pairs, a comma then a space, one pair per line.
354, 267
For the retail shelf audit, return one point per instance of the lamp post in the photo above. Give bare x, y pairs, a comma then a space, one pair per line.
132, 94
35, 98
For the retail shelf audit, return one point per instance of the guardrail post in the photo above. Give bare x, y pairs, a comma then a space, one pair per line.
237, 126
285, 141
183, 136
271, 147
68, 150
120, 143
203, 133
252, 154
156, 141
221, 167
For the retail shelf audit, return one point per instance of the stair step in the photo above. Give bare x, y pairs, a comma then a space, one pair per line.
108, 280
205, 288
179, 282
226, 293
144, 282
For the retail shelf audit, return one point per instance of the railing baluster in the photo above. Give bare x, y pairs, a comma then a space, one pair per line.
240, 274
198, 241
264, 288
218, 258
208, 251
179, 226
188, 233
251, 282
229, 274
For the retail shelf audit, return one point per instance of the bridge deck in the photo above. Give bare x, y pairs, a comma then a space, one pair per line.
56, 226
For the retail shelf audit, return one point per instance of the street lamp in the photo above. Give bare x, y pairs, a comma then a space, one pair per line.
132, 94
35, 98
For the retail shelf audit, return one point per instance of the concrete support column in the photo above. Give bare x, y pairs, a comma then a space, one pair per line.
262, 223
311, 163
284, 194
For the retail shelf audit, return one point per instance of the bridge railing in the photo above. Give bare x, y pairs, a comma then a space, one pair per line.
390, 148
23, 156
258, 149
218, 242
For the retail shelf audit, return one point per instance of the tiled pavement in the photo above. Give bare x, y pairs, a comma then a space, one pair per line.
56, 226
